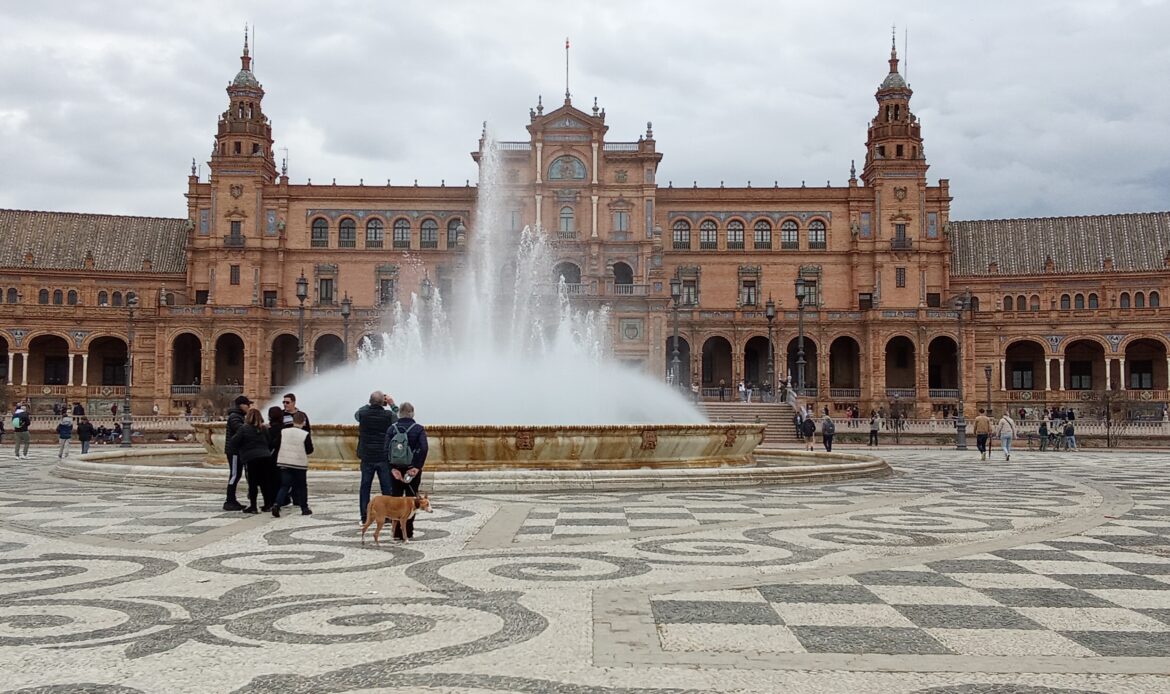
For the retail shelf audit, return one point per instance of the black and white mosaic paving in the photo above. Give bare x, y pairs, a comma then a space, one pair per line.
1051, 574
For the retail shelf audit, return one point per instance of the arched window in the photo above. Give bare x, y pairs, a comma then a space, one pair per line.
763, 235
116, 299
375, 233
1035, 306
103, 298
429, 234
453, 232
566, 168
1123, 302
682, 235
169, 299
735, 235
974, 303
320, 234
789, 236
1079, 301
401, 233
566, 224
1139, 300
43, 296
816, 235
1065, 302
71, 297
1094, 302
1008, 304
708, 235
347, 234
1021, 303
131, 297
1155, 300
58, 297
13, 296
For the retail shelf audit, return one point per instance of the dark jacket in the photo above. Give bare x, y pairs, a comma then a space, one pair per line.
78, 410
250, 444
20, 421
85, 431
273, 435
373, 423
416, 438
235, 420
65, 430
808, 427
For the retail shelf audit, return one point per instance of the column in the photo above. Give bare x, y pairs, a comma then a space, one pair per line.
1108, 374
1060, 372
72, 363
539, 217
539, 161
1121, 373
85, 369
11, 365
1047, 373
594, 221
1003, 374
24, 370
595, 158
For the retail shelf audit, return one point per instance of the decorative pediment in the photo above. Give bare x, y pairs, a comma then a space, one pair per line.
566, 122
749, 271
325, 269
689, 271
568, 195
620, 204
235, 212
387, 270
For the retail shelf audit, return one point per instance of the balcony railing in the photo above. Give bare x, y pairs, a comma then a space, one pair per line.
621, 146
106, 391
233, 241
567, 234
628, 289
735, 245
944, 393
763, 245
681, 245
185, 390
708, 245
402, 243
844, 393
901, 393
789, 245
428, 243
901, 244
347, 243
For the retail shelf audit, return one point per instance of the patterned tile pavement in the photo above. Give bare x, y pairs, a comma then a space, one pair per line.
1048, 575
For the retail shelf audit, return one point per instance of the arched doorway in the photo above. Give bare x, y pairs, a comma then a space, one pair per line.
845, 368
229, 360
284, 362
1145, 365
717, 362
943, 367
570, 272
107, 362
623, 275
5, 376
328, 353
684, 360
755, 363
1084, 366
810, 364
186, 360
901, 374
48, 361
1024, 360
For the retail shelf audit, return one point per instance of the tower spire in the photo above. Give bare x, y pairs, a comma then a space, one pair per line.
568, 97
246, 58
893, 48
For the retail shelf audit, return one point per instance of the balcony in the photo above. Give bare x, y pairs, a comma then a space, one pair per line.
567, 234
708, 245
627, 289
105, 391
681, 245
763, 245
621, 147
844, 393
735, 245
347, 243
428, 244
402, 244
944, 393
901, 244
185, 390
233, 241
790, 245
900, 393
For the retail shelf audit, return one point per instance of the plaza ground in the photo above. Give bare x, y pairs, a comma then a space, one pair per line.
1048, 574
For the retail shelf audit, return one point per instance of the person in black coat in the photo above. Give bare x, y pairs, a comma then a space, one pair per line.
271, 483
235, 420
85, 434
406, 482
251, 446
374, 420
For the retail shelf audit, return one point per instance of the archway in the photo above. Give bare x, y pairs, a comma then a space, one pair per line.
374, 343
186, 360
901, 374
717, 362
570, 272
810, 364
229, 360
328, 353
755, 363
1024, 360
684, 359
1084, 366
943, 365
284, 362
845, 366
107, 362
48, 361
1145, 365
5, 377
623, 274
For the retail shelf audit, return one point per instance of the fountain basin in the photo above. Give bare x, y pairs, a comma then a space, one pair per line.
572, 447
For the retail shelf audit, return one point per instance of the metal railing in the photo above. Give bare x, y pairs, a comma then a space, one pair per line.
708, 245
568, 235
903, 393
901, 244
628, 289
735, 245
232, 241
621, 147
844, 393
186, 390
428, 243
944, 393
681, 245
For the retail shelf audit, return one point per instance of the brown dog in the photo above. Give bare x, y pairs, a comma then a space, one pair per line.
396, 509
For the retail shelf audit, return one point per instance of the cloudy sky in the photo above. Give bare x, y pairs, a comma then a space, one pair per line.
1043, 107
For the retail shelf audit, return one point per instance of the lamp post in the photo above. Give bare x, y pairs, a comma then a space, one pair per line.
676, 297
346, 310
302, 294
127, 419
770, 314
961, 303
800, 293
987, 376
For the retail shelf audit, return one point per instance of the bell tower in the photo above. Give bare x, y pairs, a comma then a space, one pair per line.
243, 142
894, 146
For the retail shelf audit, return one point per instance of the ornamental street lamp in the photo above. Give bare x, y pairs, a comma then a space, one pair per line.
987, 376
346, 310
302, 294
127, 419
961, 304
676, 297
770, 314
801, 288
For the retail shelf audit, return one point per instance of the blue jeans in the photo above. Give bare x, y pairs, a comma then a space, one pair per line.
85, 447
382, 470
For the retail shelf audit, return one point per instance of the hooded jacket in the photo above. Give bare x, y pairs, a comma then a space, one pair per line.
373, 422
235, 420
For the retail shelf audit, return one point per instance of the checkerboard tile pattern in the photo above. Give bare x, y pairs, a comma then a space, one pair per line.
1038, 600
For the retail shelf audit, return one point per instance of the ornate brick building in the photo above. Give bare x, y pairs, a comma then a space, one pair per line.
1060, 309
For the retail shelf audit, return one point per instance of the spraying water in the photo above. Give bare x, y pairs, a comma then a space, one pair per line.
515, 351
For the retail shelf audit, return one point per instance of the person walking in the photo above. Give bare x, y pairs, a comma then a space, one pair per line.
114, 410
374, 420
807, 429
293, 461
406, 449
20, 423
64, 436
85, 433
1006, 429
875, 423
250, 442
982, 431
1070, 436
1043, 434
235, 420
742, 392
828, 430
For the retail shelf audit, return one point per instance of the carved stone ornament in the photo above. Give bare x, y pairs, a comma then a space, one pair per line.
649, 439
729, 438
900, 193
621, 175
236, 190
525, 440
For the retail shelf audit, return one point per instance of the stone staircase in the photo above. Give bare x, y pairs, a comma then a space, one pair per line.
777, 417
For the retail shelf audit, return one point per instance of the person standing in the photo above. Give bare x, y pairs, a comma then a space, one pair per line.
154, 409
1043, 434
114, 410
64, 436
235, 420
695, 391
85, 434
982, 431
722, 390
250, 442
293, 461
289, 402
828, 430
742, 392
374, 420
78, 410
20, 423
875, 423
1006, 429
270, 484
808, 428
1070, 436
406, 457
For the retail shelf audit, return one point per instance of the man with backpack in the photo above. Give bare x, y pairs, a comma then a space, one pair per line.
406, 449
64, 436
20, 424
828, 430
808, 428
374, 421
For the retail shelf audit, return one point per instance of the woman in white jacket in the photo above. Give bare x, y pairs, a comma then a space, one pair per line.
1006, 430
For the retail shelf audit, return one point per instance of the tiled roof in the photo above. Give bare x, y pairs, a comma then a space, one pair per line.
1136, 242
62, 240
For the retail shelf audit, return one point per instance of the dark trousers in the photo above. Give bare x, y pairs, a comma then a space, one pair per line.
981, 442
403, 489
722, 393
828, 439
382, 470
233, 476
262, 477
873, 437
293, 481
